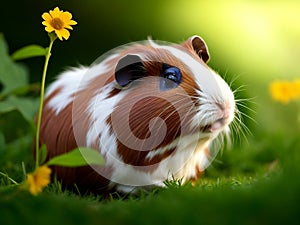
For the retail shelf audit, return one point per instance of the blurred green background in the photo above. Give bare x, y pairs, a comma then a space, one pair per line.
251, 42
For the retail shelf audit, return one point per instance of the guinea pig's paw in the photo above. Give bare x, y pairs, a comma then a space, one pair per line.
126, 189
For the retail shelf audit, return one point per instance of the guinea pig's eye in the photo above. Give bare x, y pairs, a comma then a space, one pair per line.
172, 78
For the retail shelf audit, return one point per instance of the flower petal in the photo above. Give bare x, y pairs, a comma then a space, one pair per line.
68, 27
49, 29
66, 16
46, 23
72, 22
43, 176
58, 34
57, 9
56, 12
46, 16
33, 189
65, 33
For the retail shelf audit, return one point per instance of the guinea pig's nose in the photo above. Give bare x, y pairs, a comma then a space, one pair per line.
218, 124
225, 109
224, 117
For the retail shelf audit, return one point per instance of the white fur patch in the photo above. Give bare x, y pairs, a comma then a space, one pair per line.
97, 69
74, 80
100, 108
69, 83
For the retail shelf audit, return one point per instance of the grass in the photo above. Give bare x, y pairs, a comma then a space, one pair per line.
255, 183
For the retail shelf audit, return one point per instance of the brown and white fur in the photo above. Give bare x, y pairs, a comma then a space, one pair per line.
146, 134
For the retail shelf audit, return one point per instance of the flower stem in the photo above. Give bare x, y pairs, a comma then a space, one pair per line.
37, 140
5, 175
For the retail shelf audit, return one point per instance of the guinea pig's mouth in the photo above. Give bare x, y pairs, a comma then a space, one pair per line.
217, 125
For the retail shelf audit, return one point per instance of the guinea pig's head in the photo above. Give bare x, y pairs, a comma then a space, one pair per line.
169, 93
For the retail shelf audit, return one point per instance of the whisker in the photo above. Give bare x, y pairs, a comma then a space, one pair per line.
249, 100
239, 126
247, 116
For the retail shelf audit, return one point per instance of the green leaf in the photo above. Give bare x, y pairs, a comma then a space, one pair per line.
6, 107
43, 154
2, 142
26, 106
22, 90
28, 52
78, 157
12, 75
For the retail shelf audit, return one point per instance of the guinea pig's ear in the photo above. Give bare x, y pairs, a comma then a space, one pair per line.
128, 69
199, 46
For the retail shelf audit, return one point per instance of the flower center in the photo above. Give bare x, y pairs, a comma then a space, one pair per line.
57, 23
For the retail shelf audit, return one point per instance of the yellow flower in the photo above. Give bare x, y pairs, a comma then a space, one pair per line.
296, 88
39, 179
58, 21
285, 91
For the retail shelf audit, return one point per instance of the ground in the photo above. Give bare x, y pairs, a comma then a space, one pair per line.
256, 182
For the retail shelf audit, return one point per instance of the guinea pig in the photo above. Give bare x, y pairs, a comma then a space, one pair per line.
151, 109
